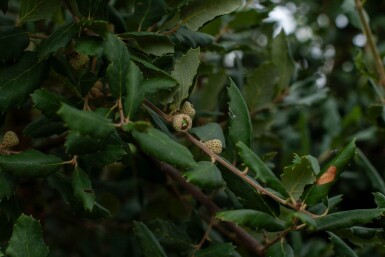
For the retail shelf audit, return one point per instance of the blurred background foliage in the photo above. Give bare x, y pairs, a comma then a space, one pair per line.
309, 82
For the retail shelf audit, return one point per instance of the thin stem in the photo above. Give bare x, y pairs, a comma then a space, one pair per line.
37, 36
157, 111
372, 46
206, 234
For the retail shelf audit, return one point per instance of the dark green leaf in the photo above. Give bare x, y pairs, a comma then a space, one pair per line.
93, 8
86, 122
319, 191
184, 72
253, 219
306, 219
239, 119
296, 176
191, 39
110, 154
329, 205
379, 198
362, 236
92, 46
196, 13
249, 17
209, 131
340, 247
374, 176
117, 72
43, 127
30, 164
217, 250
47, 102
18, 80
148, 243
100, 27
150, 42
59, 39
280, 249
208, 95
248, 196
346, 219
170, 235
4, 6
27, 239
147, 13
159, 145
33, 10
263, 173
7, 185
13, 41
260, 88
83, 189
134, 90
280, 55
205, 175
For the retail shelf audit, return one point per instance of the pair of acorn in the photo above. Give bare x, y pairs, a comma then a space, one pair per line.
182, 122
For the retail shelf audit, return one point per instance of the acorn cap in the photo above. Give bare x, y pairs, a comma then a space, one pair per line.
10, 139
181, 122
188, 108
78, 60
214, 145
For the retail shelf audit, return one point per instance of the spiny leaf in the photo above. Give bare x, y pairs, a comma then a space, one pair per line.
27, 239
33, 10
340, 247
83, 188
149, 244
30, 164
240, 128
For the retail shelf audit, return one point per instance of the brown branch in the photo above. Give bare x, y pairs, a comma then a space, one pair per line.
238, 234
372, 46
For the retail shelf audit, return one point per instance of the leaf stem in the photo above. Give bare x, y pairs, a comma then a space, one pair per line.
372, 46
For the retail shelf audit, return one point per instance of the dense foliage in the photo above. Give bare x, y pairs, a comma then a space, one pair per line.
191, 128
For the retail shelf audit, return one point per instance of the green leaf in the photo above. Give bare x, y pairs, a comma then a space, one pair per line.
296, 176
374, 176
379, 198
30, 164
109, 154
280, 249
27, 239
260, 90
306, 219
7, 185
18, 80
263, 174
209, 131
184, 72
93, 9
150, 42
93, 46
59, 39
248, 196
159, 145
340, 247
209, 94
239, 119
216, 250
43, 127
86, 122
147, 13
196, 13
148, 243
83, 188
47, 102
362, 236
33, 10
13, 41
205, 175
318, 192
117, 72
280, 56
191, 39
134, 90
253, 219
346, 219
170, 235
